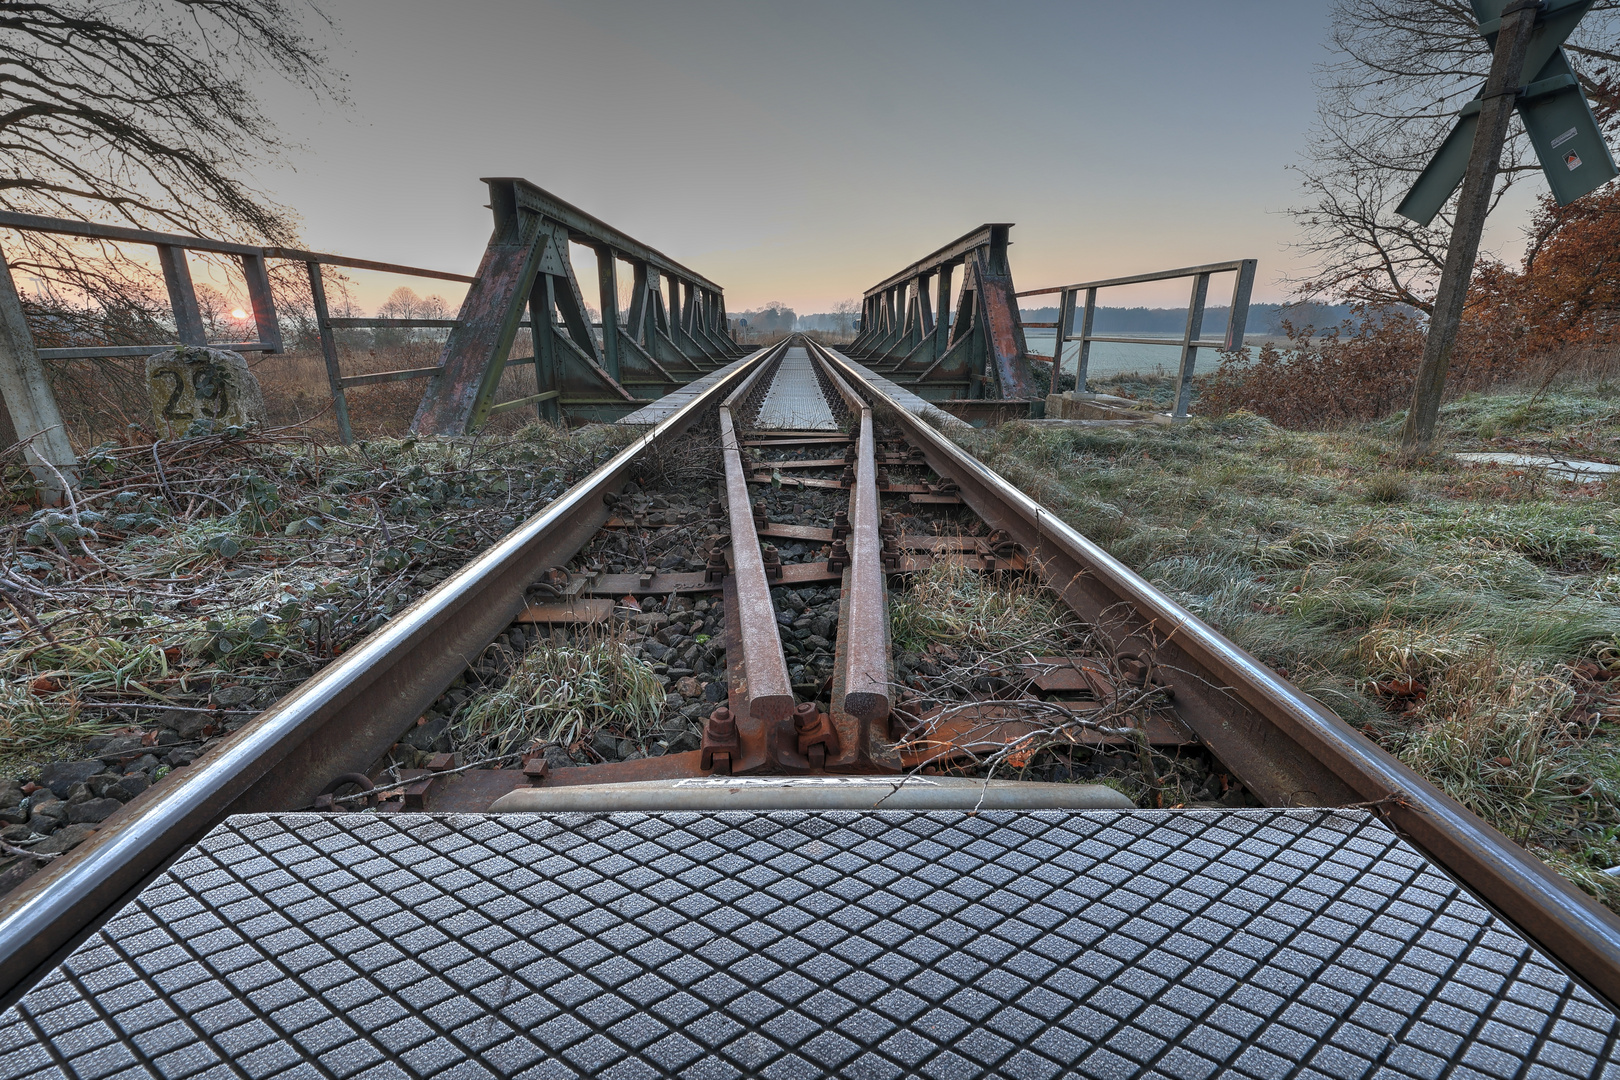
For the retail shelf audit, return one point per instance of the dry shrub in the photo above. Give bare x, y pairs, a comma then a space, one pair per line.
1348, 374
1364, 370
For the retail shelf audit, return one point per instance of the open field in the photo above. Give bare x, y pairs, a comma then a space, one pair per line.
1466, 618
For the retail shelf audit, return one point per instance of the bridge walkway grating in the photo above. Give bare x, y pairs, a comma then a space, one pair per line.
1258, 943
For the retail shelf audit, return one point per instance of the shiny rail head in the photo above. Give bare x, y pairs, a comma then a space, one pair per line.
764, 793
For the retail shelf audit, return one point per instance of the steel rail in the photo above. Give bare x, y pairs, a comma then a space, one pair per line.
766, 684
1283, 745
866, 653
353, 710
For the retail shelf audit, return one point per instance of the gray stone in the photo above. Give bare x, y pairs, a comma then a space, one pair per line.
60, 776
714, 692
145, 764
128, 787
64, 838
423, 736
680, 741
606, 745
99, 783
187, 725
233, 695
11, 793
14, 815
91, 811
47, 816
191, 383
15, 834
120, 748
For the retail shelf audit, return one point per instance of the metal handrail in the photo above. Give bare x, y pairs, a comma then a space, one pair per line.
189, 329
1191, 339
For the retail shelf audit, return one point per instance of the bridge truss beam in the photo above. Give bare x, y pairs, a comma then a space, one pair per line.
660, 345
975, 349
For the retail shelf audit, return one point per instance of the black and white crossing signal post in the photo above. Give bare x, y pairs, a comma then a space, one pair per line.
1526, 38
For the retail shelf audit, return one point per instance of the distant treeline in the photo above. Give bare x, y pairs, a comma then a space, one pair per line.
1263, 318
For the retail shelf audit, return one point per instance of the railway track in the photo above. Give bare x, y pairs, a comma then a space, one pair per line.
830, 495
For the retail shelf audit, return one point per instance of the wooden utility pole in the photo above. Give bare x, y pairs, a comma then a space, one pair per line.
1496, 109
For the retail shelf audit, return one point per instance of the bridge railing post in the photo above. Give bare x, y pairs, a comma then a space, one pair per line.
329, 353
26, 395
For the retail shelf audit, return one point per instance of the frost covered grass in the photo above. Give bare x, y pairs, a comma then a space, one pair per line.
216, 572
952, 605
1465, 617
557, 694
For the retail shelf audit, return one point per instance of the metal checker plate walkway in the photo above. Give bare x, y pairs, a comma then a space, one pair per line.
852, 944
795, 401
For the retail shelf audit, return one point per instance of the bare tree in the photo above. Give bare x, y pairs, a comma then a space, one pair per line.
144, 112
847, 310
1401, 71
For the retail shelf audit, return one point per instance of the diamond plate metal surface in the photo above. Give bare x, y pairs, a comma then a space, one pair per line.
795, 401
881, 944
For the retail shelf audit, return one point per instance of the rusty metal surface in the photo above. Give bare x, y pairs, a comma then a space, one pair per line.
98, 231
980, 351
1285, 746
345, 716
770, 692
866, 656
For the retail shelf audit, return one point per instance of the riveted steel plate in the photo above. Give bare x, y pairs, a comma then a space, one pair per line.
795, 401
939, 944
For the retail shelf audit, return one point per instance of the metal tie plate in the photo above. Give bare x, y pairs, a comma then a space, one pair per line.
1021, 944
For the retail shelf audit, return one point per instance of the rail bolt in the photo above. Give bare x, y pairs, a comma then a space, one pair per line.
817, 736
848, 478
773, 561
838, 558
536, 768
761, 521
720, 745
716, 568
804, 717
840, 524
